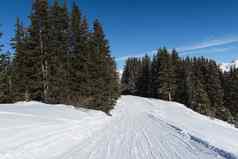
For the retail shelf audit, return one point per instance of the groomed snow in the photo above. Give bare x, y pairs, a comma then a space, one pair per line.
139, 128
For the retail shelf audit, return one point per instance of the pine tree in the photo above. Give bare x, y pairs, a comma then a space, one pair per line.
85, 62
21, 64
200, 101
130, 76
106, 80
37, 50
5, 79
155, 76
6, 91
231, 91
57, 57
236, 120
165, 72
143, 82
183, 83
74, 65
174, 73
57, 60
214, 88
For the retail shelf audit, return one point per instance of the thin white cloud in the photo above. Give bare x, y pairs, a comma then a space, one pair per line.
215, 44
208, 44
207, 51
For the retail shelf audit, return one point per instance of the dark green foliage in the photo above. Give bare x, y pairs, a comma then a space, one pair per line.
200, 101
236, 120
21, 64
164, 75
231, 90
37, 51
143, 83
164, 72
130, 76
155, 76
57, 60
5, 79
195, 82
105, 78
183, 82
214, 88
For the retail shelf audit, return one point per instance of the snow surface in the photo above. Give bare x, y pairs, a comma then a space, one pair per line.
139, 128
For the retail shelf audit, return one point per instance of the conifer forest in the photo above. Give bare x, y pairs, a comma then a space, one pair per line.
197, 82
59, 58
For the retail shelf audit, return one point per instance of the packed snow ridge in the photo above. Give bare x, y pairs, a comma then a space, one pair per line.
225, 67
139, 128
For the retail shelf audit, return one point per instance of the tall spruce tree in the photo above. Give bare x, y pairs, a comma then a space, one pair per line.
231, 91
155, 68
38, 50
182, 82
21, 64
5, 79
130, 76
57, 57
74, 60
143, 82
57, 60
85, 63
174, 73
105, 79
165, 75
200, 101
214, 89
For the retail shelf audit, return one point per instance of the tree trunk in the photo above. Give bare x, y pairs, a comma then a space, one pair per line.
44, 67
170, 98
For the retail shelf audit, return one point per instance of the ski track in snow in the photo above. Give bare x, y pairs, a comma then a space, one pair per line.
136, 130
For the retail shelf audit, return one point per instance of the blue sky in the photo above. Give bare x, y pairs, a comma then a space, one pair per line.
134, 27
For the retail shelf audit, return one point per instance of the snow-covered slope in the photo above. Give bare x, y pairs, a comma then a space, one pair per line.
225, 67
139, 128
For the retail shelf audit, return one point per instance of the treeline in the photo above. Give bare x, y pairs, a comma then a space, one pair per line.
58, 59
196, 82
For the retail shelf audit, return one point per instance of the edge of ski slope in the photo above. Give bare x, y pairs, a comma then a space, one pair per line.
213, 133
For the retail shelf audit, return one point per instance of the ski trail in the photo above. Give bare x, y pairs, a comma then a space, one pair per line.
136, 130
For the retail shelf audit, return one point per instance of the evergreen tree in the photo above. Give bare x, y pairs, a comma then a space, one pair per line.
183, 82
200, 101
165, 72
5, 79
236, 120
214, 88
130, 76
155, 76
174, 63
57, 60
57, 57
76, 44
6, 91
106, 80
85, 63
231, 91
37, 50
21, 65
143, 82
